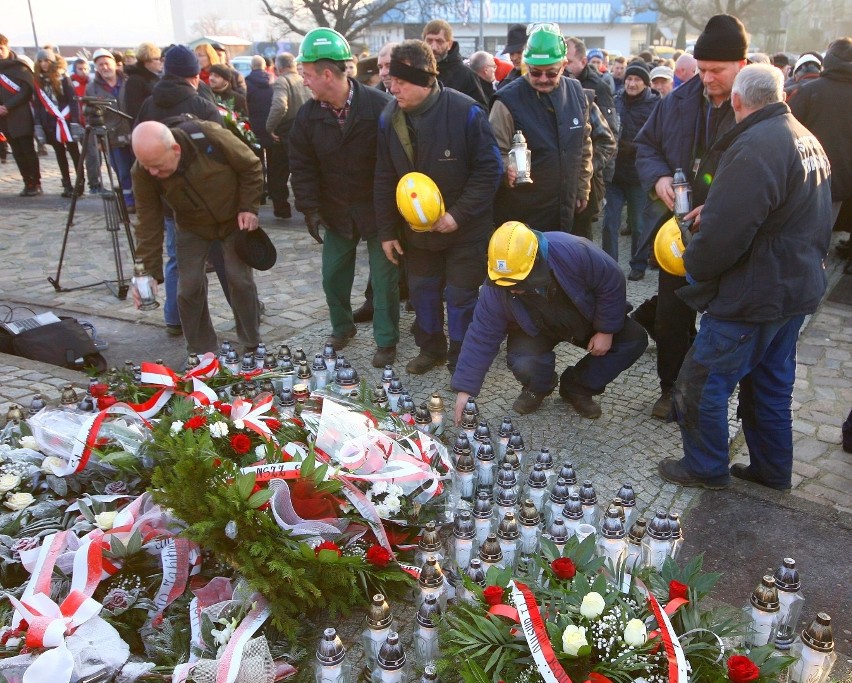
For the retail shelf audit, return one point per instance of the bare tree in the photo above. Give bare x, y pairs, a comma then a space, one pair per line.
348, 17
697, 12
209, 25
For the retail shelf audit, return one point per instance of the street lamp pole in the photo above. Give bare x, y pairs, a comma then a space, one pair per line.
32, 22
481, 45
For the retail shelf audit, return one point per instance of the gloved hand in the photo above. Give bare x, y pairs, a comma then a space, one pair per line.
312, 220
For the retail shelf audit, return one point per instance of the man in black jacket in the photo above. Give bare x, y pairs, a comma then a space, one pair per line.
332, 161
16, 118
577, 64
446, 136
452, 71
756, 269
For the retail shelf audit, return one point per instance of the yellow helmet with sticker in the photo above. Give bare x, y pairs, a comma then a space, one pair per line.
511, 253
669, 248
419, 201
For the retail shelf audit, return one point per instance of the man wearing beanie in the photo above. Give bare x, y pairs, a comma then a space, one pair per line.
634, 105
680, 134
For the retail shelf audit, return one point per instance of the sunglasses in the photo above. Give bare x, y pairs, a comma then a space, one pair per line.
550, 73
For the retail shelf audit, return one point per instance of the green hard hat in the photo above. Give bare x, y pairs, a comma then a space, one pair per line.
324, 43
545, 45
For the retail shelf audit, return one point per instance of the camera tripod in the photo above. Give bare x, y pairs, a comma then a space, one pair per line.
115, 210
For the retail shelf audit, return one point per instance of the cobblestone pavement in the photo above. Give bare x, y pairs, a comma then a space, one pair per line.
624, 445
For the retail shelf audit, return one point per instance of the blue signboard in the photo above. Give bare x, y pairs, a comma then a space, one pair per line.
526, 12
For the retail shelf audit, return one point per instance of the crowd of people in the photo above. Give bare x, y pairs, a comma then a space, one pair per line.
601, 134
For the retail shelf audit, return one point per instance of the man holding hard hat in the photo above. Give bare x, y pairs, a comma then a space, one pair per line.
442, 138
332, 159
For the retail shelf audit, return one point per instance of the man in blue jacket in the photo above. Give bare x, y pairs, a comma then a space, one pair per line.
757, 268
543, 289
445, 135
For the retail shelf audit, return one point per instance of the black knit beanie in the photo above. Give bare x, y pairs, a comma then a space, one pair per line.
724, 39
638, 69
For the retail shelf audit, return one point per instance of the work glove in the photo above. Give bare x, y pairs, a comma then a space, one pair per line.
312, 220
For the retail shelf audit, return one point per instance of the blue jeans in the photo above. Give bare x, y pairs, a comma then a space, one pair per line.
761, 357
121, 159
170, 272
617, 194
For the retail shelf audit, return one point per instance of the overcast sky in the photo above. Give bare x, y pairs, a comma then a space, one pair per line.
66, 22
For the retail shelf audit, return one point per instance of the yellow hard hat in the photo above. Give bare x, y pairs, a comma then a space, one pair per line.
419, 201
511, 253
669, 248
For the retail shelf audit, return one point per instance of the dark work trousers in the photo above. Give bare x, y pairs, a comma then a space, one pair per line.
761, 357
62, 151
277, 174
23, 149
583, 222
403, 284
192, 254
533, 362
459, 271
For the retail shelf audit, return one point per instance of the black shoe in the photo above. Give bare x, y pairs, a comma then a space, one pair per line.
528, 401
672, 470
636, 275
745, 472
30, 191
283, 211
97, 189
131, 209
385, 355
663, 407
423, 363
625, 231
174, 330
364, 314
339, 343
68, 192
584, 405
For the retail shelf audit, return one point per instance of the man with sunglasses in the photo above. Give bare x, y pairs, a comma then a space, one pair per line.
543, 289
552, 112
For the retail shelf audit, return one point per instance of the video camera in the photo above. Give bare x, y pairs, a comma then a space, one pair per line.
94, 108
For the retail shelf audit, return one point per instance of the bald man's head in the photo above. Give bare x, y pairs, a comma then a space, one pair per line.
156, 149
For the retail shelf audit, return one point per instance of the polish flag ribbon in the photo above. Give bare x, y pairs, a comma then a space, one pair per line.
63, 133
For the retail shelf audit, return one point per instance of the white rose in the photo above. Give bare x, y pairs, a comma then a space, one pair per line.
176, 428
9, 482
635, 633
19, 501
573, 638
52, 464
593, 605
105, 520
29, 442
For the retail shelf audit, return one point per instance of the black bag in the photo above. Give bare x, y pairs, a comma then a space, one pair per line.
65, 344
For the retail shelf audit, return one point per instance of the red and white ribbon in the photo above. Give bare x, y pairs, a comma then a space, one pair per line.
9, 84
176, 560
63, 133
232, 657
536, 634
250, 415
153, 374
674, 651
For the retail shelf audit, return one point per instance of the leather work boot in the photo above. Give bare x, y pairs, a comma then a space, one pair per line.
584, 405
424, 362
339, 343
385, 355
663, 407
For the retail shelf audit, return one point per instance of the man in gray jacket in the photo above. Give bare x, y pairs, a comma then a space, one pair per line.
288, 94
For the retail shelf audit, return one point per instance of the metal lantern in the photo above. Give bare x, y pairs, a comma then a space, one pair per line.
36, 404
572, 513
247, 366
270, 363
260, 355
390, 661
567, 473
463, 476
422, 418
558, 533
634, 544
15, 414
761, 613
461, 445
431, 582
537, 486
379, 622
612, 544
506, 499
546, 460
346, 380
469, 422
223, 351
476, 573
430, 674
144, 284
286, 372
483, 509
528, 526
330, 659
520, 159
589, 500
677, 534
387, 376
482, 434
790, 599
656, 546
68, 397
510, 457
628, 502
329, 355
505, 433
319, 373
429, 545
406, 404
379, 397
299, 355
814, 652
436, 409
516, 443
508, 536
286, 402
490, 553
464, 534
426, 649
485, 465
557, 498
506, 477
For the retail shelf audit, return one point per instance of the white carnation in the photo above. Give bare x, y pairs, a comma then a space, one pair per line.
219, 429
176, 428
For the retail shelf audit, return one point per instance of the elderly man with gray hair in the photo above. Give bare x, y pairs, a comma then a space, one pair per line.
483, 65
755, 269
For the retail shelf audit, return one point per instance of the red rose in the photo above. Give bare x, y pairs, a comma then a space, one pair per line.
328, 545
99, 389
273, 424
105, 402
564, 568
195, 422
240, 443
377, 555
678, 590
224, 408
493, 595
595, 677
310, 503
741, 669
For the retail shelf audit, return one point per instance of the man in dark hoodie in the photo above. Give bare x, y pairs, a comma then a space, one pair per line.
452, 71
16, 118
